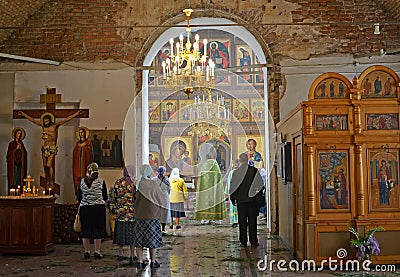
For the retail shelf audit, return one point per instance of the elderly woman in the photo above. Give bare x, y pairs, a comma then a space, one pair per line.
120, 204
92, 194
149, 200
165, 187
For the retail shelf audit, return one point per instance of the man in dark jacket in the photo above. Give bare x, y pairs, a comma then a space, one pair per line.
246, 183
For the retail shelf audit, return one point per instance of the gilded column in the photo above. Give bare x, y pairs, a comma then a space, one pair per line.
309, 120
357, 120
360, 181
311, 181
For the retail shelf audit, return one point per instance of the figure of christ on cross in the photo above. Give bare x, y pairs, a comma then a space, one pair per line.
49, 137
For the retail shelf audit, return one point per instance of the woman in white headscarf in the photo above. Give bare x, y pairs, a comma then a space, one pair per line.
177, 197
149, 202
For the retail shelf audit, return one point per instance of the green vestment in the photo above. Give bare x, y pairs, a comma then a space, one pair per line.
210, 198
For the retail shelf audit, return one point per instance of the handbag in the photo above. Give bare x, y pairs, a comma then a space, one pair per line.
259, 199
77, 223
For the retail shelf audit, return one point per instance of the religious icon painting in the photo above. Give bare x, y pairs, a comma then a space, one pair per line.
218, 50
169, 110
241, 110
185, 110
162, 55
331, 88
152, 79
173, 151
333, 184
331, 122
242, 147
154, 111
383, 178
258, 78
257, 109
154, 160
379, 84
244, 56
107, 147
388, 121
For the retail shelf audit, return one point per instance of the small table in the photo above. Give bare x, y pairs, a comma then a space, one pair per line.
26, 224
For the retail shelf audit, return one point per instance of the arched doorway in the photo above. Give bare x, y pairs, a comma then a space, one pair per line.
253, 96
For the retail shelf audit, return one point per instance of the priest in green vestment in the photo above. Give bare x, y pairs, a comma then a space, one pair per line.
210, 197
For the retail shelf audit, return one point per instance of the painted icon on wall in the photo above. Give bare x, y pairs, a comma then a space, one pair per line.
384, 178
333, 180
330, 122
383, 121
107, 147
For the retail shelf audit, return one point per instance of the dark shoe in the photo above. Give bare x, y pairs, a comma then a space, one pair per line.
178, 227
133, 259
243, 245
154, 264
255, 244
171, 226
119, 258
98, 256
86, 255
234, 225
141, 265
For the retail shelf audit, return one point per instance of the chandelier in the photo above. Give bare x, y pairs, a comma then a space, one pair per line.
186, 66
209, 117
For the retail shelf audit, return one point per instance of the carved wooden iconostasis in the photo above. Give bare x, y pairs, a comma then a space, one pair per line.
169, 111
351, 141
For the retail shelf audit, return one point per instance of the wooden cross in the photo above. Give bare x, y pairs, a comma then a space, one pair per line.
50, 99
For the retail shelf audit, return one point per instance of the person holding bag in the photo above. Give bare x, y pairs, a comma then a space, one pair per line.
92, 194
246, 188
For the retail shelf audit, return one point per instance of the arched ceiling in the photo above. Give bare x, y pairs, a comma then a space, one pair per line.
16, 16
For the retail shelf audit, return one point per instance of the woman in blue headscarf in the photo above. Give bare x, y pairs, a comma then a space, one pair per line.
166, 188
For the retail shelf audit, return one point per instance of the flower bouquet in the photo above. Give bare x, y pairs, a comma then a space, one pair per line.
367, 245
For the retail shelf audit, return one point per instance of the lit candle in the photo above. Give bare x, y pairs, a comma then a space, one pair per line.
19, 191
49, 191
171, 41
44, 192
205, 47
181, 40
164, 64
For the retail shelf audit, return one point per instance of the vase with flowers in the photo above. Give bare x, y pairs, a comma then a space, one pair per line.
367, 245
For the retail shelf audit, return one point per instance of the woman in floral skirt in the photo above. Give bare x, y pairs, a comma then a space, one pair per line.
120, 204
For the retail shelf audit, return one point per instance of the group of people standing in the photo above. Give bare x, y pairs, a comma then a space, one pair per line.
141, 210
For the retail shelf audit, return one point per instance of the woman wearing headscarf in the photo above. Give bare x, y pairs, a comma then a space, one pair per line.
166, 188
178, 195
120, 204
92, 194
149, 200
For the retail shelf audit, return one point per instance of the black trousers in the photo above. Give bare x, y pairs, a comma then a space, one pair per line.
247, 216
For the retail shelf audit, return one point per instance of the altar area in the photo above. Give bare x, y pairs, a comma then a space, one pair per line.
26, 224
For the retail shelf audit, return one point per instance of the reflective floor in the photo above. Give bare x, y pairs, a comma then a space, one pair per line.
194, 250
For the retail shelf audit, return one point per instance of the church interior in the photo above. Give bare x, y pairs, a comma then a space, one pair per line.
310, 88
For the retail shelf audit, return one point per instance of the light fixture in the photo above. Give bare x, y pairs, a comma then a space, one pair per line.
209, 117
28, 59
377, 30
186, 66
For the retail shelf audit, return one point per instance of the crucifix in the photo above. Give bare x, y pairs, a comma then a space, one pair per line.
50, 131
